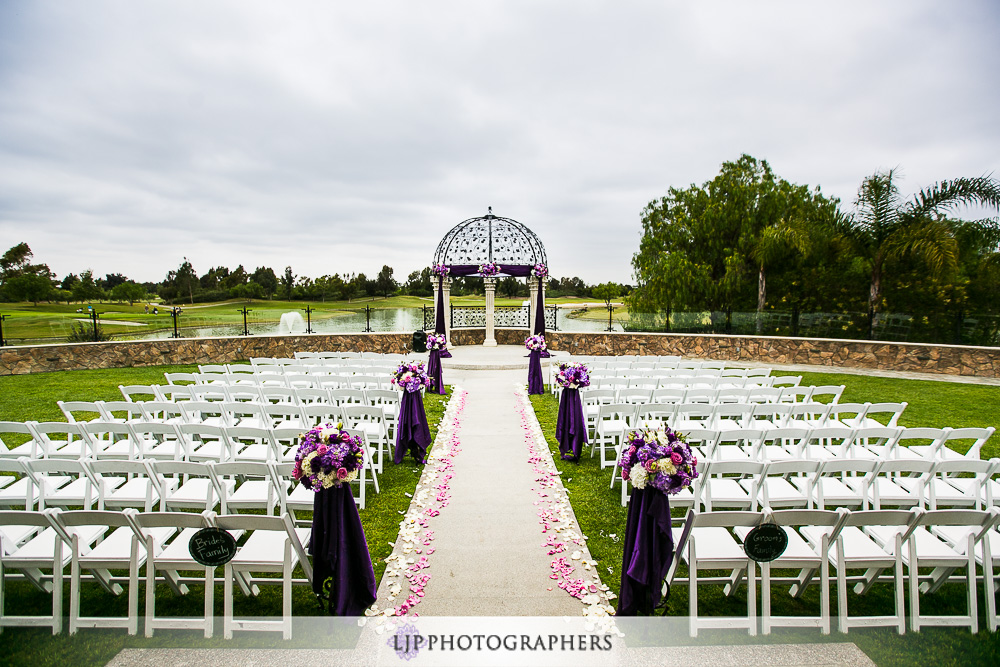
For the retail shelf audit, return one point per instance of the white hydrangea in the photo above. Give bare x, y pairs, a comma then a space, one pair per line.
638, 477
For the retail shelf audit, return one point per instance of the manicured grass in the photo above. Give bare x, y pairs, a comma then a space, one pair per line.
602, 520
26, 397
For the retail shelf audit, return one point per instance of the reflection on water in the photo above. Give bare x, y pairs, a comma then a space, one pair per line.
383, 320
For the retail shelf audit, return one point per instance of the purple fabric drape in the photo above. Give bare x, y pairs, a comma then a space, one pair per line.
340, 553
648, 552
540, 318
571, 425
535, 383
439, 327
412, 432
434, 372
518, 271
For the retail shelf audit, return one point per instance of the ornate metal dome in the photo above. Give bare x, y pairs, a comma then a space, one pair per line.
490, 239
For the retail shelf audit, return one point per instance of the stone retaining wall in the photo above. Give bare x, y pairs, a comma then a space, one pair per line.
914, 357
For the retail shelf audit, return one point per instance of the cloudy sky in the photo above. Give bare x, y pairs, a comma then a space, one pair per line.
338, 137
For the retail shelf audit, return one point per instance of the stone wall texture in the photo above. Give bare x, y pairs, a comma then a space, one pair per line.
914, 357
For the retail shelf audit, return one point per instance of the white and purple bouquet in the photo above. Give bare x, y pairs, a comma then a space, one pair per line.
540, 271
573, 375
440, 270
437, 342
411, 376
488, 270
659, 459
328, 457
535, 342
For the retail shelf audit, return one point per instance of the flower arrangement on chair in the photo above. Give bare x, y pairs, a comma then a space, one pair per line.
327, 457
437, 342
489, 270
536, 342
411, 376
658, 458
573, 375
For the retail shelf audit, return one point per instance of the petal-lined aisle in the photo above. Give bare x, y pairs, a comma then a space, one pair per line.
484, 556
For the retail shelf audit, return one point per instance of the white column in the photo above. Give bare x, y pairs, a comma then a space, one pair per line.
533, 291
447, 308
491, 286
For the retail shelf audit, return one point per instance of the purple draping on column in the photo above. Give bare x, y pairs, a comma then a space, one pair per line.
412, 432
648, 552
439, 316
340, 553
571, 426
434, 372
472, 269
540, 317
535, 383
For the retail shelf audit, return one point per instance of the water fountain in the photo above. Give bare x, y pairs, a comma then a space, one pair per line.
291, 323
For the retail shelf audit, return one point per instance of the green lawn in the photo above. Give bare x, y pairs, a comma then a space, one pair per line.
33, 397
602, 519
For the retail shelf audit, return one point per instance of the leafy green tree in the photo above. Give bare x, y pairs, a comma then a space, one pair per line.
22, 281
87, 289
248, 291
607, 292
287, 283
15, 260
128, 291
883, 226
69, 282
265, 277
237, 276
214, 278
385, 284
185, 280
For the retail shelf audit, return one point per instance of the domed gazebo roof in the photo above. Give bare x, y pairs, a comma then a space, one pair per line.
490, 238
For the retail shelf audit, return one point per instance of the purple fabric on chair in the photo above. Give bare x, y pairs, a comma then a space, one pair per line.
536, 384
434, 372
340, 552
648, 552
412, 432
571, 425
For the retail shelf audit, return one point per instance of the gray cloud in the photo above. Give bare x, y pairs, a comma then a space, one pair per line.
337, 139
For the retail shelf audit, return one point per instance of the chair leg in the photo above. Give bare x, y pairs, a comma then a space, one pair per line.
227, 613
150, 596
765, 598
752, 598
74, 588
210, 601
971, 581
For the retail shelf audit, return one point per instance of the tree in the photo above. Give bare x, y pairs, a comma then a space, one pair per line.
384, 282
185, 280
288, 282
884, 227
29, 286
607, 292
128, 291
111, 281
265, 277
238, 276
87, 289
15, 260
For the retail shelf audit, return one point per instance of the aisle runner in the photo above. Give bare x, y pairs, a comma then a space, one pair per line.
555, 515
406, 575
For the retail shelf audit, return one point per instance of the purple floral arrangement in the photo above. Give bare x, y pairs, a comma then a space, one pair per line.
327, 457
535, 342
437, 342
488, 270
659, 459
573, 375
411, 376
440, 270
540, 271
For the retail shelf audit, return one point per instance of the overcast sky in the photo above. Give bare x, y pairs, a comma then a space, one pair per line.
338, 137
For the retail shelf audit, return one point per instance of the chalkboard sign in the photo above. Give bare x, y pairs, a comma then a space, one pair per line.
212, 547
765, 542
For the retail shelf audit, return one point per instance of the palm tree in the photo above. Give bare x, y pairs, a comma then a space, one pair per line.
884, 226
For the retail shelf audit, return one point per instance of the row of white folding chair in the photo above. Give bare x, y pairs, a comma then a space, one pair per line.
667, 362
208, 436
260, 394
876, 541
170, 484
827, 394
100, 541
848, 482
654, 382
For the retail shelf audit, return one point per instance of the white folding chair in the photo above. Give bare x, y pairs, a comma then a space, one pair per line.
251, 443
613, 422
808, 559
847, 415
899, 483
181, 378
189, 486
956, 441
721, 485
784, 484
736, 444
111, 440
371, 421
171, 560
17, 440
61, 439
82, 489
159, 441
125, 484
843, 482
163, 412
134, 393
856, 550
205, 442
795, 395
827, 393
707, 543
949, 483
254, 492
882, 414
920, 443
264, 551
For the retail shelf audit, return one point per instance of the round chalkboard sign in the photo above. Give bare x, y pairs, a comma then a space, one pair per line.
765, 542
212, 547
